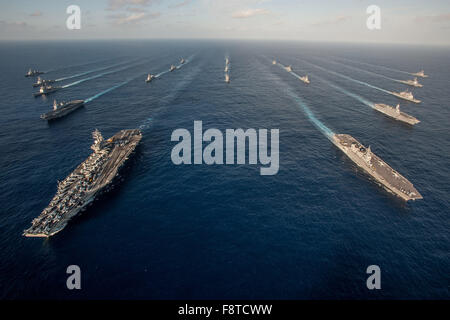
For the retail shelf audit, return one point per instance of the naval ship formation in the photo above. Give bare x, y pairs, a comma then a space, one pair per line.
86, 182
364, 158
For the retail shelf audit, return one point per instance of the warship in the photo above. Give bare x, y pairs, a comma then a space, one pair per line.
227, 61
305, 79
413, 83
364, 158
150, 77
420, 74
182, 61
227, 78
91, 178
33, 73
405, 95
46, 89
226, 68
395, 113
172, 67
61, 109
288, 68
42, 82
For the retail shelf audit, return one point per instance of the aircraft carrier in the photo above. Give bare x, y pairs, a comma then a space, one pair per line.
405, 95
395, 113
61, 109
363, 157
86, 182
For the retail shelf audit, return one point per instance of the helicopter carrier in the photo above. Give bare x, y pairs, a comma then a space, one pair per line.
395, 113
61, 109
86, 182
364, 158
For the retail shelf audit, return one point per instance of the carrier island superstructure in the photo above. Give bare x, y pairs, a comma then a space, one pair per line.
86, 182
379, 170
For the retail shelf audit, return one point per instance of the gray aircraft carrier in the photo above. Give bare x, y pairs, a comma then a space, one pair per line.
61, 109
86, 182
364, 158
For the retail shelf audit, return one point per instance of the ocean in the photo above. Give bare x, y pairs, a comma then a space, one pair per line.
224, 231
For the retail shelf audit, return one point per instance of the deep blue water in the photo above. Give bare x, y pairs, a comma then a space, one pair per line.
225, 231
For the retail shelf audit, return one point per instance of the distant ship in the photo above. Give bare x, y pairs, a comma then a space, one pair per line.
62, 109
46, 90
41, 82
91, 178
274, 61
182, 61
420, 74
414, 83
226, 68
227, 61
33, 73
395, 113
150, 77
406, 95
172, 67
364, 158
288, 69
305, 79
227, 78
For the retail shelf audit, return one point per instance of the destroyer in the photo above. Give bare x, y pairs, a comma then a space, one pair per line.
61, 109
375, 167
405, 95
395, 113
413, 83
150, 77
33, 73
42, 82
288, 68
46, 89
305, 79
172, 67
227, 78
182, 61
421, 73
86, 182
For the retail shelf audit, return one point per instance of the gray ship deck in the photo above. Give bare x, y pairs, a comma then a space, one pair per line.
82, 186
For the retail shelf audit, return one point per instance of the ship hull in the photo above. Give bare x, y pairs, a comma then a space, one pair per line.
37, 94
385, 181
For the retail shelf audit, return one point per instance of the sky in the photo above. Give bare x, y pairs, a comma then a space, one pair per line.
403, 22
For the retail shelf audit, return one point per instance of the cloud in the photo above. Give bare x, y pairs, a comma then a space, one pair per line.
36, 14
118, 4
132, 19
130, 9
249, 13
445, 17
338, 20
180, 4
